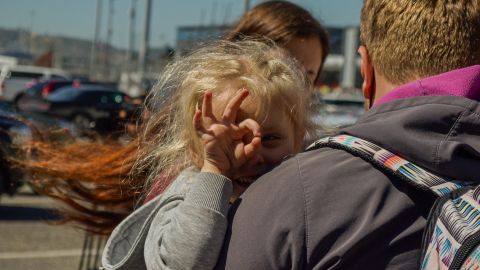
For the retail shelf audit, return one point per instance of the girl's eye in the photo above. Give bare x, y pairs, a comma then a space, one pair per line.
270, 137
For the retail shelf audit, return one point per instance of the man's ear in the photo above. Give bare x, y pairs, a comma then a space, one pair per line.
366, 68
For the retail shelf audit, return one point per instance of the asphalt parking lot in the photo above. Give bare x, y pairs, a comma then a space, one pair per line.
30, 240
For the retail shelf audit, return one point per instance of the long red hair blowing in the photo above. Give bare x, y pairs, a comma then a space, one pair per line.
93, 180
99, 182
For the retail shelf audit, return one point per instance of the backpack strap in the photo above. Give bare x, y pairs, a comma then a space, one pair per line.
391, 164
451, 239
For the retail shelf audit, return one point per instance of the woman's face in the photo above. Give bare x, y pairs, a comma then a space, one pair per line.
308, 51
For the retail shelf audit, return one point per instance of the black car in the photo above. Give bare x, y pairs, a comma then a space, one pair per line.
88, 107
18, 128
45, 88
42, 89
11, 129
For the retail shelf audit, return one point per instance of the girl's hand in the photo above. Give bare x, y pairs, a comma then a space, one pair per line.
227, 145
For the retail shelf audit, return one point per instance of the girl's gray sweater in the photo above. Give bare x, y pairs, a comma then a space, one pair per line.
183, 228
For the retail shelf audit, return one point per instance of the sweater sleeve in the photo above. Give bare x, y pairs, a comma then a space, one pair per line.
188, 232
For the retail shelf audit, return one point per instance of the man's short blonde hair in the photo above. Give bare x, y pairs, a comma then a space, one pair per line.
409, 39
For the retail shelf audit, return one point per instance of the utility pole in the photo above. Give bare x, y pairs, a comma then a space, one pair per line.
213, 14
246, 6
106, 63
143, 52
350, 63
131, 39
227, 12
30, 33
93, 53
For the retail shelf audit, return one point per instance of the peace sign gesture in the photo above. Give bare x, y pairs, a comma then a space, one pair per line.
227, 144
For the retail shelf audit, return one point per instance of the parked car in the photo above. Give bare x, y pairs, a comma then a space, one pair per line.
14, 80
339, 109
88, 107
11, 131
42, 89
46, 87
17, 128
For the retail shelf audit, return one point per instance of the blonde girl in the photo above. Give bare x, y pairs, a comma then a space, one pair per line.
236, 110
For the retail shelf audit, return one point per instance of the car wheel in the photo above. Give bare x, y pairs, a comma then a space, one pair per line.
3, 181
83, 122
6, 185
17, 99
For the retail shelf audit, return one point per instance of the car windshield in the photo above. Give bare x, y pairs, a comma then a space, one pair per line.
66, 93
38, 86
103, 97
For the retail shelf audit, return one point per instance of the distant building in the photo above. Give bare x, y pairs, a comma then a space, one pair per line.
21, 57
341, 68
76, 64
335, 72
190, 37
337, 39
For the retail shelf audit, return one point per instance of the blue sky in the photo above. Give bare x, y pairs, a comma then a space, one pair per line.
76, 18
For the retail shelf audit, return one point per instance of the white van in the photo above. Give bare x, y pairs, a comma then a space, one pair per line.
14, 79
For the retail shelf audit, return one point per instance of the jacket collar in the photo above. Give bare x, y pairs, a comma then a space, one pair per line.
464, 82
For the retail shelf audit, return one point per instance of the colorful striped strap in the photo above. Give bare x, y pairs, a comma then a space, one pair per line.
396, 164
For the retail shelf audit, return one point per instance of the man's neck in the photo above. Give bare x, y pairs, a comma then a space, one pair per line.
382, 86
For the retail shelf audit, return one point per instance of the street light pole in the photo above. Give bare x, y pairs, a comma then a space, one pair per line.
246, 6
131, 38
131, 33
30, 32
106, 64
350, 53
142, 57
93, 52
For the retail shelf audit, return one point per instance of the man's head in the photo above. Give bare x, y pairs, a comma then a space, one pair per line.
405, 40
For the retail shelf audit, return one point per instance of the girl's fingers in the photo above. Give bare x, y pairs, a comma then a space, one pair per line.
249, 126
207, 110
252, 148
198, 122
230, 112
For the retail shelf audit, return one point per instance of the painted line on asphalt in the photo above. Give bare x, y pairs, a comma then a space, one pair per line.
42, 254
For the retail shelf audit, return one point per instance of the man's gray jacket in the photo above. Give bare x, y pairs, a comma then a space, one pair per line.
328, 209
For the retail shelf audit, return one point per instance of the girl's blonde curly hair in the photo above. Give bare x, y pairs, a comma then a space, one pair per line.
169, 141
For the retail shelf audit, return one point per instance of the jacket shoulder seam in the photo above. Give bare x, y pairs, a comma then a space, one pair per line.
305, 212
436, 154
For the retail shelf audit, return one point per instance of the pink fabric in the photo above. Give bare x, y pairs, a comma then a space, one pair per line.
463, 82
162, 181
158, 188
